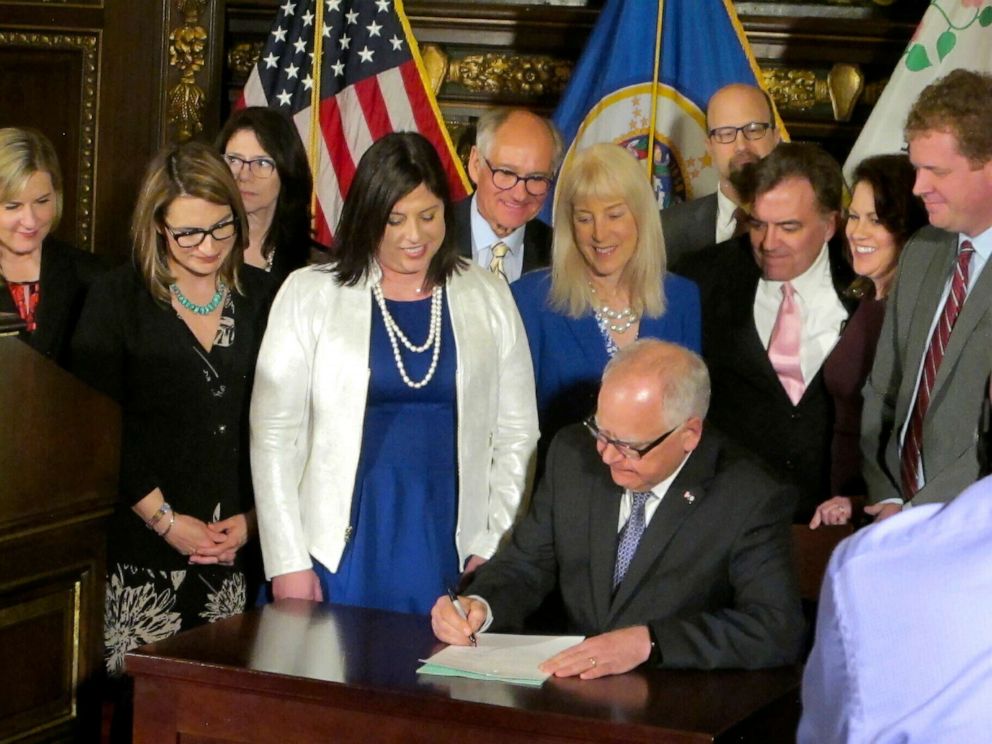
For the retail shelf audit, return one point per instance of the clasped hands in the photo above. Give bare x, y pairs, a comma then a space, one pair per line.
210, 542
615, 652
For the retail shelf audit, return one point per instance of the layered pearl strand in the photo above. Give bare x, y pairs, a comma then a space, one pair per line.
618, 321
394, 332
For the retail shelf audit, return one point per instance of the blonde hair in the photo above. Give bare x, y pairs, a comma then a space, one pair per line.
607, 171
24, 152
192, 169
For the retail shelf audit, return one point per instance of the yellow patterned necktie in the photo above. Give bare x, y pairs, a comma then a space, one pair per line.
500, 250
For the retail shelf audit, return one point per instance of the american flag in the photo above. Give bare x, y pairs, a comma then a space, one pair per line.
372, 82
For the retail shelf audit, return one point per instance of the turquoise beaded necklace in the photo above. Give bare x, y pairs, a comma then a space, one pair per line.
187, 303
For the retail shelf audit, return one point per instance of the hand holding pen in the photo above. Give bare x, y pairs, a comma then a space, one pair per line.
452, 616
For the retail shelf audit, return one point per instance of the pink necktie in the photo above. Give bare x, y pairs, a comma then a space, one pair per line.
912, 446
783, 349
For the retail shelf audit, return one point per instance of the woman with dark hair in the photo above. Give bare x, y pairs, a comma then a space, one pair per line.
393, 417
173, 337
42, 280
882, 216
269, 164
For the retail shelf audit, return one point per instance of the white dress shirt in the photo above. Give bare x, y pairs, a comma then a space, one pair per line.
983, 249
483, 240
725, 221
822, 312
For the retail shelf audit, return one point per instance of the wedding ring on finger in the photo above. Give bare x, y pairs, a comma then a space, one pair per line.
592, 662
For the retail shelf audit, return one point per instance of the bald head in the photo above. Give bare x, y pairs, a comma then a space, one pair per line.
737, 105
672, 377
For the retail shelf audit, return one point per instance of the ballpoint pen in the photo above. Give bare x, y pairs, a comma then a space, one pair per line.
461, 613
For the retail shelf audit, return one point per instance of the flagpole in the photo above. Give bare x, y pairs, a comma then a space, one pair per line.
316, 68
654, 90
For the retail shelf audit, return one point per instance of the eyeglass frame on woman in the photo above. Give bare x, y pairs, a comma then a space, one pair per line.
626, 448
528, 180
178, 235
256, 166
753, 130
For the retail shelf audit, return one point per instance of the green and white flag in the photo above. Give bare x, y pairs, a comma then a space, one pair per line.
953, 34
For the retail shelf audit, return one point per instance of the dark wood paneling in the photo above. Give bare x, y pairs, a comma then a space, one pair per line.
59, 448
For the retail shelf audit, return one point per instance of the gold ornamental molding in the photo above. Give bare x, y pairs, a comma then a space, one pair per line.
187, 53
801, 90
88, 47
242, 57
506, 74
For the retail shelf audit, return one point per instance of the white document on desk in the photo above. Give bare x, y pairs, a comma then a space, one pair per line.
499, 656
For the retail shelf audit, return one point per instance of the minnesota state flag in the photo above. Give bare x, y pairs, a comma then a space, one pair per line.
651, 65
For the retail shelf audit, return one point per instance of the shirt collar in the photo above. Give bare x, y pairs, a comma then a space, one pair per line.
483, 236
662, 488
725, 209
982, 243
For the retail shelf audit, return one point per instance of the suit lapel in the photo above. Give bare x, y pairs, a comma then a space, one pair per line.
925, 306
604, 514
678, 504
463, 226
57, 280
585, 331
975, 307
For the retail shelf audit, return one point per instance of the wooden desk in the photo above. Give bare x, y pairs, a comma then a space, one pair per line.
299, 672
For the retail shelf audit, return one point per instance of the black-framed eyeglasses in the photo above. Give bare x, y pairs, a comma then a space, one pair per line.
753, 130
626, 449
188, 237
504, 180
258, 167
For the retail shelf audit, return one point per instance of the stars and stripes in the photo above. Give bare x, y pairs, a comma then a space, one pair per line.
371, 83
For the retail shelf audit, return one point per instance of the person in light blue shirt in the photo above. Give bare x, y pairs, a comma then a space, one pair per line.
903, 651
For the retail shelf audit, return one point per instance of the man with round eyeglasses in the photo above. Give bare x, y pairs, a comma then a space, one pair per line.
740, 126
512, 164
669, 546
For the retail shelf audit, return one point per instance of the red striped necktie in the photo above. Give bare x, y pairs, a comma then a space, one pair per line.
913, 444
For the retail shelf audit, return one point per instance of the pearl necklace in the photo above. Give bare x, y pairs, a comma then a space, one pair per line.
394, 331
199, 309
618, 321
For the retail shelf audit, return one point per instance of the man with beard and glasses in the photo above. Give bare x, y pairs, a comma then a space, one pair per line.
740, 122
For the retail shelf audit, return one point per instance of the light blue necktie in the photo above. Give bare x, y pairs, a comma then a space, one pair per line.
630, 536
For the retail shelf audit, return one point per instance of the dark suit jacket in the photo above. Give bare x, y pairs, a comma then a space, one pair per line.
66, 275
951, 427
749, 403
689, 227
537, 237
712, 576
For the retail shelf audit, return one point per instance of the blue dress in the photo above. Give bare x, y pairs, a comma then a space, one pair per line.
402, 553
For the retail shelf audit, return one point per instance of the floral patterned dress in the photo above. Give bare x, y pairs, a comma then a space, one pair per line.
184, 419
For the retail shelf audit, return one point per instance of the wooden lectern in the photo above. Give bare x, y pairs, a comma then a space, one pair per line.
59, 453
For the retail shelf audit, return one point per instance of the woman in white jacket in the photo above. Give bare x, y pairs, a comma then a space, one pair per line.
393, 419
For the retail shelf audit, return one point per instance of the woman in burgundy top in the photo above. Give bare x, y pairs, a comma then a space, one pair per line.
42, 280
883, 214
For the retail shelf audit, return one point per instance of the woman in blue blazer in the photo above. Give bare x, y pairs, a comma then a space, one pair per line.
607, 285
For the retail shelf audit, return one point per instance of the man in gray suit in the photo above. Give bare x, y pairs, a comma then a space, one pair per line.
740, 122
922, 400
669, 545
512, 165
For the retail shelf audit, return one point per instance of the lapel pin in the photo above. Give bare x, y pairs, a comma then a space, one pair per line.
688, 497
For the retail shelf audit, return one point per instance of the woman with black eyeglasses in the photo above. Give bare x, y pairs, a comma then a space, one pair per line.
266, 156
173, 338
